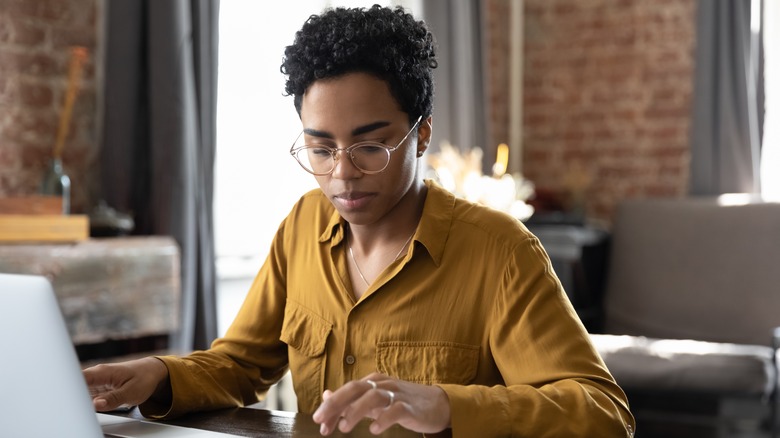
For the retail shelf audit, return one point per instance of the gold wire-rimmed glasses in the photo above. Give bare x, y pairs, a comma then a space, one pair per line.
368, 156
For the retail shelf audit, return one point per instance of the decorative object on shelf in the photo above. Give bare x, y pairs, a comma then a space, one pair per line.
55, 181
105, 221
31, 204
40, 228
39, 219
461, 173
576, 182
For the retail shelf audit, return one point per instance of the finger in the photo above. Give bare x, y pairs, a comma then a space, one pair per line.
396, 413
100, 404
113, 400
370, 405
337, 402
327, 425
99, 375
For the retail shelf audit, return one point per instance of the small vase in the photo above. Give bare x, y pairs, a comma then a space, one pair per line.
56, 183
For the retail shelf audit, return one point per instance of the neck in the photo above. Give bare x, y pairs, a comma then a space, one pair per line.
395, 227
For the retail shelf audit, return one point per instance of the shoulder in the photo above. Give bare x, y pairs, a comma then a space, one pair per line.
311, 214
487, 223
457, 226
313, 202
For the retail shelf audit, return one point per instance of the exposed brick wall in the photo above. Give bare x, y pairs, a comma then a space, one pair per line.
496, 39
607, 96
35, 37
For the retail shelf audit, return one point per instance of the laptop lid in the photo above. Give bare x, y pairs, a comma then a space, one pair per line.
43, 392
42, 389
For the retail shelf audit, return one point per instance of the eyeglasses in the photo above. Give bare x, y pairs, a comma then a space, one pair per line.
368, 156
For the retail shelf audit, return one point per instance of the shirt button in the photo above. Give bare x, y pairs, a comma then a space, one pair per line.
350, 359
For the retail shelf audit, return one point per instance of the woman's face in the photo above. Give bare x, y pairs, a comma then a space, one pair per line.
339, 112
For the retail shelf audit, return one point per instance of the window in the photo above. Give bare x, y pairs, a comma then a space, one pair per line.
770, 149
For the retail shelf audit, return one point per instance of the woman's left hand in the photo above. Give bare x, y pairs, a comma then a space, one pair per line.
388, 401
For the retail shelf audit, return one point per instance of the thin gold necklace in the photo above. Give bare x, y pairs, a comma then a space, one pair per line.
352, 255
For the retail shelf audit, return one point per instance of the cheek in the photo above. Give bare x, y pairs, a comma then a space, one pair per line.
404, 174
409, 167
322, 181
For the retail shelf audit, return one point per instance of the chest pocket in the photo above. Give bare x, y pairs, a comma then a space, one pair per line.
428, 362
306, 335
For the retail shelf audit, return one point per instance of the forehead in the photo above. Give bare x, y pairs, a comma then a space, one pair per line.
352, 97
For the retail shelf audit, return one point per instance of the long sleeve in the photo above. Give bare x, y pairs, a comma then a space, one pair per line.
556, 383
240, 367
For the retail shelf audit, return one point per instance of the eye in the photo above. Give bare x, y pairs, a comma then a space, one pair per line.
371, 148
319, 152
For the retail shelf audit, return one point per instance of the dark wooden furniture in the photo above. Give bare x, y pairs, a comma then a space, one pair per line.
263, 423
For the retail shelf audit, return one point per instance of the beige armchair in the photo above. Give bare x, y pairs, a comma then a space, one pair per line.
692, 302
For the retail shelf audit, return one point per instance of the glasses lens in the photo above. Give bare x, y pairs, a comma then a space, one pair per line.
316, 160
370, 157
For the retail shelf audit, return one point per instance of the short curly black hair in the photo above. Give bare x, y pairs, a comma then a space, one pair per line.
388, 43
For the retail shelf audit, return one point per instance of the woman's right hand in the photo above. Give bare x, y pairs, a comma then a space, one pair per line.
113, 386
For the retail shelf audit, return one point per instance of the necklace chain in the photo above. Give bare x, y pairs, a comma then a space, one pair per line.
352, 255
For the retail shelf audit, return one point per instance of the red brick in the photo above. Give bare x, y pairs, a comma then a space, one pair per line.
35, 95
617, 73
675, 113
20, 32
27, 126
36, 64
10, 157
668, 152
36, 155
34, 61
67, 37
53, 10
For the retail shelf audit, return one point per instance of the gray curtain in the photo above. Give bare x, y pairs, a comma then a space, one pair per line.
459, 114
158, 140
727, 101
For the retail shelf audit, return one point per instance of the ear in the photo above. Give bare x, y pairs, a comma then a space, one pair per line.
424, 131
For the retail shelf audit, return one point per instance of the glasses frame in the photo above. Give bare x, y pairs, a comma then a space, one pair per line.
348, 150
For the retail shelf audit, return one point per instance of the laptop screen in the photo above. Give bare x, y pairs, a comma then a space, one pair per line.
43, 391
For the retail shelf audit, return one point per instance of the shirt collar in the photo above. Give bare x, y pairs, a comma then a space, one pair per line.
436, 221
334, 230
432, 231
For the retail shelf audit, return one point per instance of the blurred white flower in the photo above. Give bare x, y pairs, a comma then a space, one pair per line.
461, 174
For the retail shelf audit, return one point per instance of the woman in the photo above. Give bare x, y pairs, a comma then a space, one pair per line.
387, 297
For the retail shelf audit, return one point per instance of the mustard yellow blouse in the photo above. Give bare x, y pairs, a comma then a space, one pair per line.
473, 307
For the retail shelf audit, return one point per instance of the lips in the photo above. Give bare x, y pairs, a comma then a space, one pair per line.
353, 200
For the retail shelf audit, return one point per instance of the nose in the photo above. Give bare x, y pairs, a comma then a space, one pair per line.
345, 168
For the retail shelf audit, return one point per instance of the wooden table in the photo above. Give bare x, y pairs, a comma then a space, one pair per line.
265, 423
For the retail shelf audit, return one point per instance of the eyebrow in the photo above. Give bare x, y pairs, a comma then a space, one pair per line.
357, 131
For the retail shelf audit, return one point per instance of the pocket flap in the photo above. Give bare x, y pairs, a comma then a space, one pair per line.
304, 331
428, 362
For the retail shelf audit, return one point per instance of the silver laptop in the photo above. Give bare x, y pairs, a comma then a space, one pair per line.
42, 390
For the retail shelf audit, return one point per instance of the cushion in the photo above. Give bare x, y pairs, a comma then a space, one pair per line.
694, 269
641, 363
